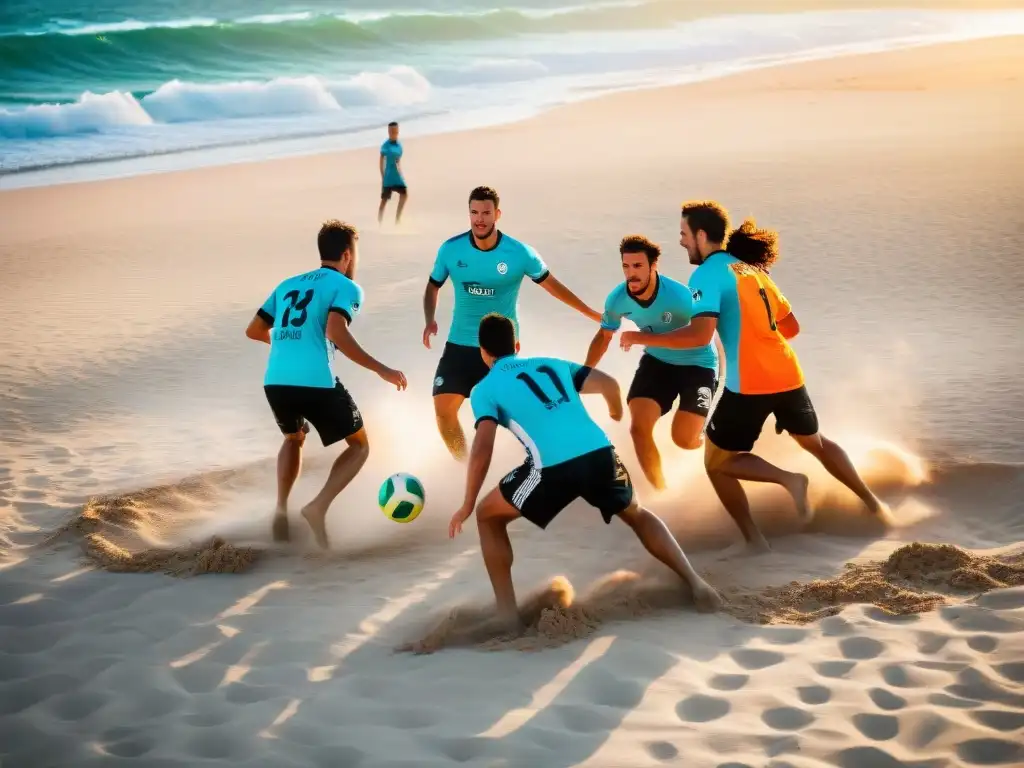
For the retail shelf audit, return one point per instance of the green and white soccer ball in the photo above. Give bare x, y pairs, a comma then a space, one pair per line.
401, 497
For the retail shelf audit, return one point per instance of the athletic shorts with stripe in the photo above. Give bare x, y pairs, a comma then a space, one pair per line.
598, 477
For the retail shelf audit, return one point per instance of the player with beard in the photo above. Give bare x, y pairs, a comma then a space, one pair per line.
735, 296
297, 320
658, 304
487, 268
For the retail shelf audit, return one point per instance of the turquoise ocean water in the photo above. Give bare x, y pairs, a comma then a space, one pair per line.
84, 81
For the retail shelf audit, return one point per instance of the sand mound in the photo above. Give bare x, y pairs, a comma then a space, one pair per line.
915, 578
118, 532
213, 556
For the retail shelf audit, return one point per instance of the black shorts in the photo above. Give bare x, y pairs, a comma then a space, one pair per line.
598, 477
459, 370
331, 411
736, 423
663, 382
385, 192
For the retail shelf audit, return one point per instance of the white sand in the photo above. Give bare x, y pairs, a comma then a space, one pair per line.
124, 304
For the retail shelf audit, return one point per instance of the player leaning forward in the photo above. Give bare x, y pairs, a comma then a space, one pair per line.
568, 457
487, 268
301, 315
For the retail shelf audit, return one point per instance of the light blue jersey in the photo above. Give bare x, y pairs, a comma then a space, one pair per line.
484, 281
670, 307
537, 399
392, 152
297, 312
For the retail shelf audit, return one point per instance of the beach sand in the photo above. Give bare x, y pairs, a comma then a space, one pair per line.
147, 618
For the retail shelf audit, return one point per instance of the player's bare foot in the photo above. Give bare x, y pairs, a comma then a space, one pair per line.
884, 514
758, 546
706, 598
509, 622
316, 518
797, 487
280, 526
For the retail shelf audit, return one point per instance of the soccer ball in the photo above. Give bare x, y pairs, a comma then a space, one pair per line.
401, 497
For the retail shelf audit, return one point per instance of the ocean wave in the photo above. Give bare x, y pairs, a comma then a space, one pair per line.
142, 49
180, 102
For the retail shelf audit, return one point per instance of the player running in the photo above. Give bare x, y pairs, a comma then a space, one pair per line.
391, 177
658, 304
568, 456
487, 268
734, 295
298, 319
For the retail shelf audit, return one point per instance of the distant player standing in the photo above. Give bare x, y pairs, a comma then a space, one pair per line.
391, 177
487, 268
568, 456
734, 295
298, 319
658, 304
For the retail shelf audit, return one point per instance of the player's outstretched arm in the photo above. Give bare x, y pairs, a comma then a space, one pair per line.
600, 383
598, 346
552, 285
339, 334
479, 462
259, 329
698, 333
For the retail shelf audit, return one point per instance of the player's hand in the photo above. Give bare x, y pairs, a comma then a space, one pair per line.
430, 330
397, 378
615, 409
461, 516
627, 339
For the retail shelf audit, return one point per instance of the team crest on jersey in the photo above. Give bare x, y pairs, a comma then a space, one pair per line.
697, 295
704, 397
666, 317
439, 381
502, 267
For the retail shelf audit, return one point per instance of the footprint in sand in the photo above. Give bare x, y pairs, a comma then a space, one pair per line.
982, 643
662, 750
728, 682
814, 694
787, 718
1014, 671
886, 700
930, 643
860, 648
991, 752
834, 669
873, 757
877, 727
702, 709
754, 658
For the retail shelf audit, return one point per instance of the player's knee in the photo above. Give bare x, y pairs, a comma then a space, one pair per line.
640, 431
688, 441
813, 444
714, 457
359, 441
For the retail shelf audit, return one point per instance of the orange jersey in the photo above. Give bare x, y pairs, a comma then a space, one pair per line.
748, 305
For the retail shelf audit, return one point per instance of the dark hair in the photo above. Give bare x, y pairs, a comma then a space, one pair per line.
393, 124
334, 239
707, 215
484, 193
640, 244
497, 335
756, 247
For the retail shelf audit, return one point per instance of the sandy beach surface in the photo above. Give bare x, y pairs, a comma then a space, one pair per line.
147, 618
